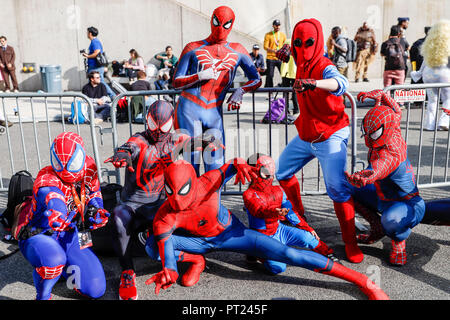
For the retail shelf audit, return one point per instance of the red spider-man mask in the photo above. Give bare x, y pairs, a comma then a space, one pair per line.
180, 184
265, 169
159, 120
307, 42
67, 156
379, 126
222, 21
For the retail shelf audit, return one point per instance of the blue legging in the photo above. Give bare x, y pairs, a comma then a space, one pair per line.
197, 121
82, 266
238, 238
397, 217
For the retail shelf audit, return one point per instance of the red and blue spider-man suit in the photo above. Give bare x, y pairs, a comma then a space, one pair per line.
50, 242
388, 184
146, 154
266, 205
205, 71
193, 205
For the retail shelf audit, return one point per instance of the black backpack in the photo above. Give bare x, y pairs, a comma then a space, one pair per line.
350, 55
20, 187
394, 55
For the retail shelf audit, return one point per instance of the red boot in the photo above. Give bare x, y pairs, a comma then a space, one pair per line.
368, 287
345, 213
192, 275
127, 288
292, 189
398, 253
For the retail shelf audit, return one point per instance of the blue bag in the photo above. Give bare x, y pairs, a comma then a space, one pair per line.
82, 115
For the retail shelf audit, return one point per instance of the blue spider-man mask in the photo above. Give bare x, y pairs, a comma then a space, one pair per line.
159, 120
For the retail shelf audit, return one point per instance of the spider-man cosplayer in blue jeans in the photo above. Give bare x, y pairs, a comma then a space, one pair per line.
146, 154
50, 238
267, 204
193, 205
205, 72
388, 184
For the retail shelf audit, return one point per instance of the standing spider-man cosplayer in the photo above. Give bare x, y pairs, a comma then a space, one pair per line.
266, 205
322, 129
205, 72
145, 154
51, 239
193, 205
387, 185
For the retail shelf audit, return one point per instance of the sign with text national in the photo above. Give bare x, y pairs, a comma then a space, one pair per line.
410, 95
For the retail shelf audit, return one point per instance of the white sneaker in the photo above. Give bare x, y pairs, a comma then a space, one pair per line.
98, 121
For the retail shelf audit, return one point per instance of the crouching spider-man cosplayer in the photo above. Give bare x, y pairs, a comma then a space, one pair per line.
193, 205
145, 154
266, 205
388, 184
51, 239
322, 129
205, 72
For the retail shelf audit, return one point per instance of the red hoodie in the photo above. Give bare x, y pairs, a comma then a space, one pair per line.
321, 112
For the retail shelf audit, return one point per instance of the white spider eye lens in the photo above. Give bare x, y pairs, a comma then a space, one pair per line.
228, 24
168, 190
167, 126
377, 134
76, 163
185, 189
56, 164
216, 22
151, 123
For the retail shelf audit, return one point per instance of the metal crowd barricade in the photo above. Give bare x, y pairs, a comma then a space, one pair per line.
19, 138
240, 117
422, 164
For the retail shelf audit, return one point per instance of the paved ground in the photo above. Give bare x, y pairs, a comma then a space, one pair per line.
228, 276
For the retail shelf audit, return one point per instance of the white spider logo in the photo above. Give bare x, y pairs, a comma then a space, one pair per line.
206, 60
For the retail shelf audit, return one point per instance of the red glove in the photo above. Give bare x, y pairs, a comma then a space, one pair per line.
301, 85
244, 171
122, 158
361, 178
284, 53
99, 218
374, 94
163, 279
59, 221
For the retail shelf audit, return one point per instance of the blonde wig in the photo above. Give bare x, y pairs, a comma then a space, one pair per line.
436, 48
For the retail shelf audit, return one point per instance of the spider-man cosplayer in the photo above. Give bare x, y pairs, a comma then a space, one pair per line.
193, 205
322, 129
205, 72
145, 154
388, 184
266, 205
50, 239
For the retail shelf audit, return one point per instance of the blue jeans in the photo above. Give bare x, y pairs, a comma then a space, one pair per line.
101, 71
332, 156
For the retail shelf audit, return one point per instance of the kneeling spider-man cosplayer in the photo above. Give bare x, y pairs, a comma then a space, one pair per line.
387, 185
65, 205
193, 205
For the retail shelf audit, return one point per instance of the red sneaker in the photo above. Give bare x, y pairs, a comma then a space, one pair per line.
192, 275
127, 288
398, 253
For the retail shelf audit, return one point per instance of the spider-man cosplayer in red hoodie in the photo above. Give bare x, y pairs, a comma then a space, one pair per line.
205, 72
266, 205
388, 184
50, 239
322, 128
193, 205
146, 154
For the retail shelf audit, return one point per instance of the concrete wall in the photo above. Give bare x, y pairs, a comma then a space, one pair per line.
53, 32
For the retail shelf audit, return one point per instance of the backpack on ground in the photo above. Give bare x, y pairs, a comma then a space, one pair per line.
81, 115
394, 55
20, 187
277, 113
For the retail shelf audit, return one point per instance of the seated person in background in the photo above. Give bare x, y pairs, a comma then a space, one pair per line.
168, 60
258, 60
96, 90
141, 85
134, 64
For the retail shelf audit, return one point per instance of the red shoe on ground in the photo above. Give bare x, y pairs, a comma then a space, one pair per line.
127, 288
192, 275
398, 253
